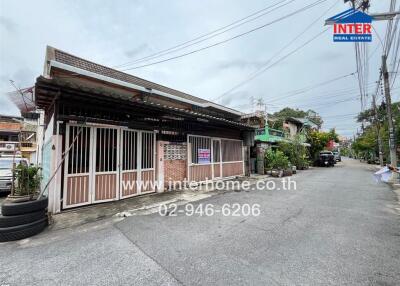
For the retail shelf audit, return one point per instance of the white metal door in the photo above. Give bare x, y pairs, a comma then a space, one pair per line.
77, 166
105, 164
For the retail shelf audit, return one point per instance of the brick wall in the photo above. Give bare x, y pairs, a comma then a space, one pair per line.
174, 170
10, 126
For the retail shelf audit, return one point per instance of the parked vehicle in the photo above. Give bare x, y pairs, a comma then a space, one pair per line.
6, 164
338, 158
326, 159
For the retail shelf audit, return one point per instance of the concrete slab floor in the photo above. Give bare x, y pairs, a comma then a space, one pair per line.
140, 205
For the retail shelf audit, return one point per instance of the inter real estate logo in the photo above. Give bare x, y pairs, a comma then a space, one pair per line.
352, 26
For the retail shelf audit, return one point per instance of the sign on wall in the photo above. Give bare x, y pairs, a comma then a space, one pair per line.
204, 156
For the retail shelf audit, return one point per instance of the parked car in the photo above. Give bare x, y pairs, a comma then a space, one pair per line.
6, 164
326, 159
338, 158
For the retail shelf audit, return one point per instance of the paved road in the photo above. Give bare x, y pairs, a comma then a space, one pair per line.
338, 227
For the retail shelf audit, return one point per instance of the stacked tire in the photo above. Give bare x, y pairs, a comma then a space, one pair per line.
23, 219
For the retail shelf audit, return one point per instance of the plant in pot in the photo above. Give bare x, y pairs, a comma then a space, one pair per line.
277, 162
26, 183
296, 152
24, 197
24, 212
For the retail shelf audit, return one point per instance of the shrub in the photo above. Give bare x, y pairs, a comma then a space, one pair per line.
296, 152
27, 180
276, 160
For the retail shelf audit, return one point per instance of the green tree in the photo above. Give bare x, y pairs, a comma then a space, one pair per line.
366, 145
319, 140
277, 118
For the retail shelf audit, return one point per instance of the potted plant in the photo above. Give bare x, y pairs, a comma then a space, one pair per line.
23, 213
26, 183
25, 191
277, 162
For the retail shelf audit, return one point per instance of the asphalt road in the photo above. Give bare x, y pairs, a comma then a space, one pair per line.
338, 227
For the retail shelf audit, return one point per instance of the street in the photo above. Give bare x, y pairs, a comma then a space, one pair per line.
338, 228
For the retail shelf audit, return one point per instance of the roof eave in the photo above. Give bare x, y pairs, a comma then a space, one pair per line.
56, 64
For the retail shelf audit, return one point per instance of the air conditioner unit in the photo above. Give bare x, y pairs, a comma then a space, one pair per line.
10, 147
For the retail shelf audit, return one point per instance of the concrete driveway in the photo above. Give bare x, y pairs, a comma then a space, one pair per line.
338, 227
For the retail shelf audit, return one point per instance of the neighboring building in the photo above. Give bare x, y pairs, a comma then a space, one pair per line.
269, 135
256, 119
298, 126
118, 131
18, 136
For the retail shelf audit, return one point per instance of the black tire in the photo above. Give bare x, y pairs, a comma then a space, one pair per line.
11, 209
22, 231
9, 221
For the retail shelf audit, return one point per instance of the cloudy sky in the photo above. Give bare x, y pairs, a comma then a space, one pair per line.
117, 32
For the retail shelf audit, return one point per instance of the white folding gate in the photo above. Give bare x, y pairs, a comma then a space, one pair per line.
107, 163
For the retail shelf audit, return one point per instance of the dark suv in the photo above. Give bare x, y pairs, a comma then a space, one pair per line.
326, 159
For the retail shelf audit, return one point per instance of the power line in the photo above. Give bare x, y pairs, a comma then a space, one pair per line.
312, 87
211, 34
232, 38
266, 65
326, 95
275, 63
329, 104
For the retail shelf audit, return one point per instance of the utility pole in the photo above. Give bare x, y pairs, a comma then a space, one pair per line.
378, 130
392, 140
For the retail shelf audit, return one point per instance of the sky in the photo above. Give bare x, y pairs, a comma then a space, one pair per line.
117, 32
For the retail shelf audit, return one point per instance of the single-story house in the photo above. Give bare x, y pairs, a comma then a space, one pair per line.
111, 135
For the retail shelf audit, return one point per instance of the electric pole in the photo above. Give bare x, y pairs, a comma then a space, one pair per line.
378, 130
392, 139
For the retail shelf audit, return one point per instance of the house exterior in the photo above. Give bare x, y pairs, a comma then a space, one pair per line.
110, 135
269, 135
296, 127
19, 136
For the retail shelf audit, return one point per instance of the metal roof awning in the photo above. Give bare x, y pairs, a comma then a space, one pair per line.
48, 90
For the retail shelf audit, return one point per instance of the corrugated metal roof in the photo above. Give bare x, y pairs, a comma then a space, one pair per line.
74, 61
